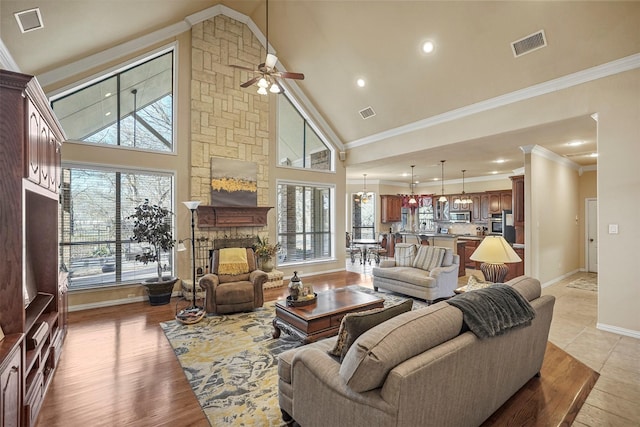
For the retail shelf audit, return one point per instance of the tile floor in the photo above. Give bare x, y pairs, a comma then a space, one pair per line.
614, 399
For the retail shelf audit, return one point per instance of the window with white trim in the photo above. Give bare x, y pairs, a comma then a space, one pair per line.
304, 222
130, 108
95, 233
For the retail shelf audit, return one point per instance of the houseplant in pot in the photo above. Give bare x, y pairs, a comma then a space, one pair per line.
152, 225
266, 253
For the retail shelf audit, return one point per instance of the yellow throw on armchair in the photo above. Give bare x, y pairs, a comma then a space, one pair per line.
235, 283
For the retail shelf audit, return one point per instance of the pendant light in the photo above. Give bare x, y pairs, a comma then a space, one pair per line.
412, 200
364, 194
442, 197
463, 199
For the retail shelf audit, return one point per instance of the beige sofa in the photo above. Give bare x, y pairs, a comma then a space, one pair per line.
419, 368
414, 272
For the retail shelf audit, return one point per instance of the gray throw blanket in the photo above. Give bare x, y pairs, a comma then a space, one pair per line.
494, 310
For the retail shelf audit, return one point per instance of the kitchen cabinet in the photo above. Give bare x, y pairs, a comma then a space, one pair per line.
461, 251
505, 200
494, 203
475, 207
442, 209
517, 183
30, 294
390, 208
516, 269
484, 207
470, 247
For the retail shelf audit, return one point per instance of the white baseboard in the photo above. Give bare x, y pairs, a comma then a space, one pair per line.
109, 303
559, 278
617, 330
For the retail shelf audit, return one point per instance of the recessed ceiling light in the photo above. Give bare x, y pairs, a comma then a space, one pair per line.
575, 143
499, 161
108, 113
108, 94
428, 46
593, 155
361, 83
494, 172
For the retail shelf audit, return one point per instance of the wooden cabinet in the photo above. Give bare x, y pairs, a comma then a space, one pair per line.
461, 251
390, 208
441, 209
505, 200
11, 381
517, 183
516, 269
475, 207
470, 247
494, 203
31, 301
484, 207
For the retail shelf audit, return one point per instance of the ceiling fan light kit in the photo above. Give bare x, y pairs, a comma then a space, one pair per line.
267, 77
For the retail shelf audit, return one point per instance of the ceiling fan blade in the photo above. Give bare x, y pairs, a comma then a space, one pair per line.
240, 67
250, 82
290, 75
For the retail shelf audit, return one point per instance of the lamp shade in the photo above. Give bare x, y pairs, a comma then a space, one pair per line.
191, 205
495, 250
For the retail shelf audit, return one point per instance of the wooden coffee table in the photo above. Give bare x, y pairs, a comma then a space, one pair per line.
321, 319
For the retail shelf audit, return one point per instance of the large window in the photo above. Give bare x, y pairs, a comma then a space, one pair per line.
95, 232
131, 108
298, 144
363, 216
304, 222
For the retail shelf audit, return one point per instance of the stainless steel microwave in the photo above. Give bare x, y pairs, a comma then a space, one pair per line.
461, 216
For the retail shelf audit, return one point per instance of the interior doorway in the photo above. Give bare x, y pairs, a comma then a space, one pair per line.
591, 220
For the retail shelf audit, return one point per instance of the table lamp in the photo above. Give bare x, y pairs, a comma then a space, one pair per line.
493, 252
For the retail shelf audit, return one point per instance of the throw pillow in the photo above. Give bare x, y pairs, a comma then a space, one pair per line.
355, 324
429, 257
476, 283
405, 254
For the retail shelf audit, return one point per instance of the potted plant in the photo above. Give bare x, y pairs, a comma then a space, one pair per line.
151, 226
265, 251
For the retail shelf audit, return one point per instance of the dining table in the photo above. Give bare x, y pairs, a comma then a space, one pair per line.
365, 244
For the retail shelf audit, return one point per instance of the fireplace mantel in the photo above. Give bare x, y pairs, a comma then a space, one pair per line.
232, 216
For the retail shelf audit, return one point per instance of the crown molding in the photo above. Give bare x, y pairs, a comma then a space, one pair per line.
550, 155
594, 73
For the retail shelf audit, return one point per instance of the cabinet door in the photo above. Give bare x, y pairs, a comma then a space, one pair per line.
11, 391
455, 206
484, 207
390, 208
475, 207
494, 203
505, 200
518, 199
31, 144
44, 153
442, 209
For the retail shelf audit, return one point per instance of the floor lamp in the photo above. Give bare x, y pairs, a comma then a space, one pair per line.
193, 313
493, 252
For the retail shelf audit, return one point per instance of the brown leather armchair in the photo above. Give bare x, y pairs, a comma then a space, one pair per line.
233, 293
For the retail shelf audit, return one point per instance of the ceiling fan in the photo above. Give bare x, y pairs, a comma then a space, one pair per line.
267, 77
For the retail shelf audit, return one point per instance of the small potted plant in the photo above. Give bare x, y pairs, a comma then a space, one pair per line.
266, 251
151, 225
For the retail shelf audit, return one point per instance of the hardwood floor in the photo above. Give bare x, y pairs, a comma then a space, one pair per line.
118, 369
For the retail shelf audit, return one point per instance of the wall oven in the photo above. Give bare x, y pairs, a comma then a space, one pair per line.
495, 224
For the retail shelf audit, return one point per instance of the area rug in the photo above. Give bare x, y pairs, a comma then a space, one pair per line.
586, 283
231, 362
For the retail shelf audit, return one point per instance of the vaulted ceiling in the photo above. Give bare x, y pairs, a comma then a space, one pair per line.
334, 43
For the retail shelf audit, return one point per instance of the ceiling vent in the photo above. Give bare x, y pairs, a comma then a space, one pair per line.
29, 20
528, 44
367, 113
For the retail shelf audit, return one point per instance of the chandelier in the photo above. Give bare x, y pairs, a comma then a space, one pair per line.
464, 199
442, 197
364, 196
412, 200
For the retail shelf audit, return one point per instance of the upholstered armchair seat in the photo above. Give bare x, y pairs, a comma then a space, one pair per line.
231, 293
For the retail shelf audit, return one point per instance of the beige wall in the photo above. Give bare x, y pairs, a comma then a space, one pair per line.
615, 99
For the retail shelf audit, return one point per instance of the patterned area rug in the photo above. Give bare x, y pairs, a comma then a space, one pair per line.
231, 362
586, 283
